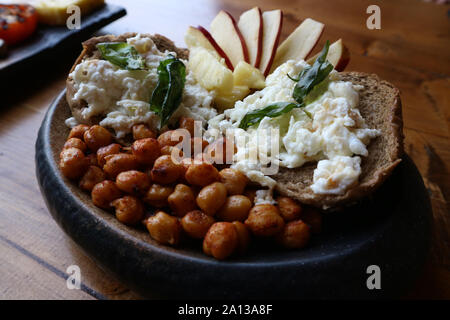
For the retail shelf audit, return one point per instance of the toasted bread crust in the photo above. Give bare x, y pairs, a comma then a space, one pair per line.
380, 106
90, 52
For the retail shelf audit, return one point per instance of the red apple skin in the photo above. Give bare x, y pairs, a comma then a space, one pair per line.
243, 43
216, 46
260, 38
275, 47
343, 61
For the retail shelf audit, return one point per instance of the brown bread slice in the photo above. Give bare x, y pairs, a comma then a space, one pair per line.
90, 51
380, 106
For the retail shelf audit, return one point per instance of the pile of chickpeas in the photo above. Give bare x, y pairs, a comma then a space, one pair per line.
192, 197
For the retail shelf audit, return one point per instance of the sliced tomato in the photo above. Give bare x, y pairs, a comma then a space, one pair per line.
17, 22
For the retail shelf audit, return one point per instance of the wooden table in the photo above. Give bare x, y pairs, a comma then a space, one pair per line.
412, 50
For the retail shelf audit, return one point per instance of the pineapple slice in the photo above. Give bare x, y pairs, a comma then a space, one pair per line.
246, 75
211, 73
54, 12
226, 101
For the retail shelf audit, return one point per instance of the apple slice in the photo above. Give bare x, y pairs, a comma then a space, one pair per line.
272, 23
210, 72
226, 33
299, 43
338, 55
200, 37
251, 26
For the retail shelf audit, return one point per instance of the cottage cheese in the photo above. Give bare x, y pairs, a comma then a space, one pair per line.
121, 96
335, 136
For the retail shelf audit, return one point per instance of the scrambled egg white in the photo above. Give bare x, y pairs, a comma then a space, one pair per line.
335, 135
122, 96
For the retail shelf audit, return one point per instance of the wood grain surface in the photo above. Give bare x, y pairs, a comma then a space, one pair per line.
412, 50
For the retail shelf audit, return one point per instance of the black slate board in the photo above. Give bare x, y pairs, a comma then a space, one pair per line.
390, 229
50, 40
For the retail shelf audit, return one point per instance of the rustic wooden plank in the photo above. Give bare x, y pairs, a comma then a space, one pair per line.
22, 277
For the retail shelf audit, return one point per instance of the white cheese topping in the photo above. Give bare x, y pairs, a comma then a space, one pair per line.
332, 137
336, 175
122, 96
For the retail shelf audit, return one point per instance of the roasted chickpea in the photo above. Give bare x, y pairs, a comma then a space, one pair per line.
234, 180
289, 209
164, 228
196, 224
103, 152
146, 150
165, 139
157, 195
235, 208
92, 176
118, 163
211, 198
243, 236
141, 131
133, 182
188, 124
295, 234
221, 240
78, 131
165, 171
182, 200
96, 137
264, 220
129, 210
75, 143
202, 174
104, 193
313, 218
73, 163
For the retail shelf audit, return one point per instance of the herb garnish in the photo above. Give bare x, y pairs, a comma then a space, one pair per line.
168, 93
307, 80
122, 55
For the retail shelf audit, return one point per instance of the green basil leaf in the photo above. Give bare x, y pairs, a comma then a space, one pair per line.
122, 55
177, 78
307, 80
271, 111
312, 76
159, 94
166, 97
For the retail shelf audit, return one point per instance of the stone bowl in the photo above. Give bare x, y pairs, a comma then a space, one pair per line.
390, 230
